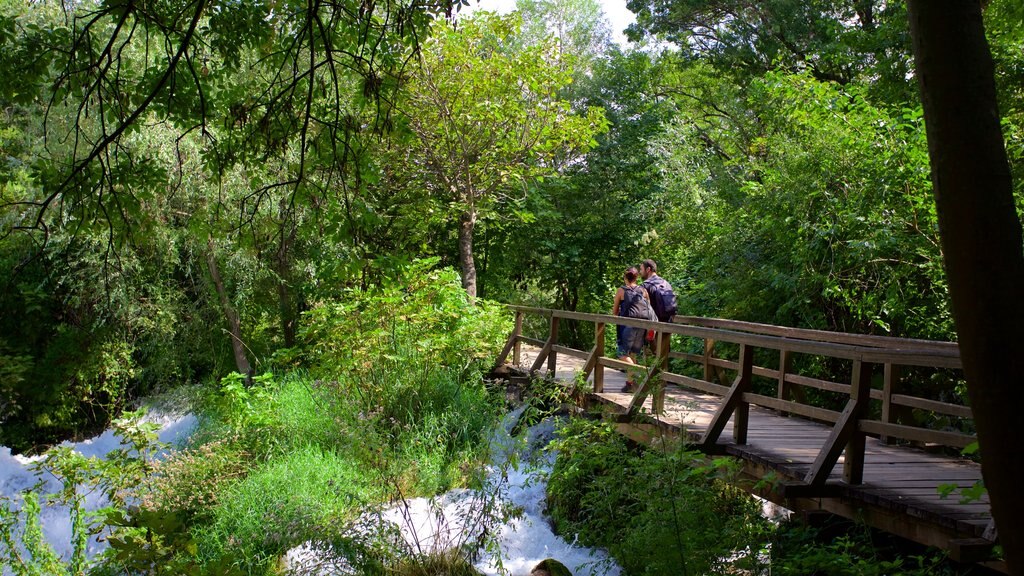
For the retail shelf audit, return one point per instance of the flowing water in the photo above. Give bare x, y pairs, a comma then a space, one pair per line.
517, 479
458, 519
454, 519
16, 475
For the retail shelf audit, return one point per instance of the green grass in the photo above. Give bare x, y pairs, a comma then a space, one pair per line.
306, 494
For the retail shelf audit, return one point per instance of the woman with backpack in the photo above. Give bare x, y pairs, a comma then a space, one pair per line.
631, 301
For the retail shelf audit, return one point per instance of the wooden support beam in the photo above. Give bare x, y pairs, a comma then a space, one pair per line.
517, 347
811, 491
664, 340
843, 431
785, 363
970, 550
709, 353
731, 401
889, 380
512, 343
860, 392
546, 350
552, 355
593, 363
652, 379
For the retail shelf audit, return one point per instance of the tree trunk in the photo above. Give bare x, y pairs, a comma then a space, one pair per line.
467, 221
981, 241
234, 323
288, 312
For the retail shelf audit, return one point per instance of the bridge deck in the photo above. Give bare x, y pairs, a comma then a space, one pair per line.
901, 488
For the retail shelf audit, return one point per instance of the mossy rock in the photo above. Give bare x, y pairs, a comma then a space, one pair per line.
550, 567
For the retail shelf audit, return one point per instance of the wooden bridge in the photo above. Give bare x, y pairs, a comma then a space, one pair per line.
865, 449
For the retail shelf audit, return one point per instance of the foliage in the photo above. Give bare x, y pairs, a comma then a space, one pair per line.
420, 310
798, 550
485, 118
831, 211
660, 511
400, 412
112, 478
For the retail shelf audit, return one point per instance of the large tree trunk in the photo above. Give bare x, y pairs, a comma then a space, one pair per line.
467, 222
234, 323
981, 240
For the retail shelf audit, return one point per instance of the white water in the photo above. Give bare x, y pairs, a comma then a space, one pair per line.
16, 476
456, 520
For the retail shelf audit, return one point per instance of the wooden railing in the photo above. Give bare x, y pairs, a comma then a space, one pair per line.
850, 425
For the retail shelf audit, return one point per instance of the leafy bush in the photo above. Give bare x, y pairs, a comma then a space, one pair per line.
422, 316
799, 550
658, 511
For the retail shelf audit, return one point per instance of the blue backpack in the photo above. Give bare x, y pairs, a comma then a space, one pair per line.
663, 298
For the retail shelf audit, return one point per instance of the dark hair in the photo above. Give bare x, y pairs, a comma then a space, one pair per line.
650, 264
631, 274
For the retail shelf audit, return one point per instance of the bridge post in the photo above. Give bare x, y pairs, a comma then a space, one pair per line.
709, 353
552, 355
784, 392
889, 381
860, 393
845, 434
598, 353
662, 350
733, 403
517, 346
741, 416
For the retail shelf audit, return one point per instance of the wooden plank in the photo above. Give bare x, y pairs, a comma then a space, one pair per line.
792, 407
695, 383
593, 363
890, 378
915, 356
614, 363
783, 390
553, 339
818, 384
953, 439
933, 405
821, 335
533, 341
571, 352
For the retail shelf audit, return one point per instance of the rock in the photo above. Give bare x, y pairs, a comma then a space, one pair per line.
550, 567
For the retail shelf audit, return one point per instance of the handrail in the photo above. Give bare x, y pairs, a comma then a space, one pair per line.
849, 425
906, 356
870, 340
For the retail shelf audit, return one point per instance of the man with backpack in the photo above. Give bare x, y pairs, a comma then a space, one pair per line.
663, 299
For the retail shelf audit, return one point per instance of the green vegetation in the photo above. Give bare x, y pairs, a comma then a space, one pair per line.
671, 510
268, 201
305, 455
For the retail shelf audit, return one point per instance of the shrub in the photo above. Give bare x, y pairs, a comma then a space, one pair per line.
657, 511
421, 317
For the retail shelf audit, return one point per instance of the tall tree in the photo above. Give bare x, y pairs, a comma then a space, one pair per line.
981, 239
486, 118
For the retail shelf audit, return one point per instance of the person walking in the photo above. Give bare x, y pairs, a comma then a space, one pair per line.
663, 299
629, 303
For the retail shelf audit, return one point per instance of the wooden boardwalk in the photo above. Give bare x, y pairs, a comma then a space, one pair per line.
898, 489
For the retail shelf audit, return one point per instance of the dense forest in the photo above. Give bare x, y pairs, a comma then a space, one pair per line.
197, 188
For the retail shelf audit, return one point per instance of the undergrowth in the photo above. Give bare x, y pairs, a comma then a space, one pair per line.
385, 400
670, 510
